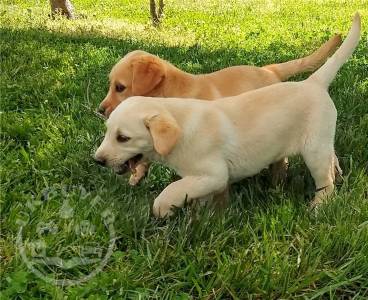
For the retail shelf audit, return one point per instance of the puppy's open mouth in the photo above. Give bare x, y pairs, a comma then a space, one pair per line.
130, 164
134, 161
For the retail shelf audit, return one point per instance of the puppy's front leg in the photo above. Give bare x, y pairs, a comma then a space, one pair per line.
190, 187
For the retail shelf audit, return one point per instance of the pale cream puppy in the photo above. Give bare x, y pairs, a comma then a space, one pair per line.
211, 144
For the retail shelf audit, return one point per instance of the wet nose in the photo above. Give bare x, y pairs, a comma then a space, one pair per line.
100, 161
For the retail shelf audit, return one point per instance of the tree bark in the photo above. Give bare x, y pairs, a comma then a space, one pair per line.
156, 14
62, 7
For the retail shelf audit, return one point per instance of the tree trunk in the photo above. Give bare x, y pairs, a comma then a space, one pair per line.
62, 7
156, 14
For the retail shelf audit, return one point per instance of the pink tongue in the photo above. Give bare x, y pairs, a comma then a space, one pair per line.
132, 165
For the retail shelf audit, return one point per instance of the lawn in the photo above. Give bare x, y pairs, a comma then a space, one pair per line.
56, 204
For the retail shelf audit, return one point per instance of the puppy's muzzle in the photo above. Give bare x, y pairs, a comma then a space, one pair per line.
100, 161
122, 169
130, 164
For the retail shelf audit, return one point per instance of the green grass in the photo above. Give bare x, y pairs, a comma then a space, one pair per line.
266, 245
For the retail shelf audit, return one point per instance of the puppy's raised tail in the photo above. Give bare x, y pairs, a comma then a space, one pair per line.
325, 74
308, 63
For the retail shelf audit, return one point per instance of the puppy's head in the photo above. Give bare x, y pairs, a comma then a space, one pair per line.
136, 129
137, 74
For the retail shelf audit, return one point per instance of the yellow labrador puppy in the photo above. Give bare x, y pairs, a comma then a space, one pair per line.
211, 144
142, 74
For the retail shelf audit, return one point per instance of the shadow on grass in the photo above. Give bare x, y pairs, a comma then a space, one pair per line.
65, 63
51, 73
37, 61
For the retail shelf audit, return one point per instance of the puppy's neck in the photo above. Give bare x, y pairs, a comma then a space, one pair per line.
179, 83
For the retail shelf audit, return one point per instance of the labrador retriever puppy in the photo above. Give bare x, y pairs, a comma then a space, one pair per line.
212, 144
142, 74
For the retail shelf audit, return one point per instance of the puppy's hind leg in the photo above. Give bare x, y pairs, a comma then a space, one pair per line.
338, 170
321, 162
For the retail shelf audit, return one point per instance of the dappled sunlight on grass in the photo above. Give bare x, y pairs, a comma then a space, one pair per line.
266, 244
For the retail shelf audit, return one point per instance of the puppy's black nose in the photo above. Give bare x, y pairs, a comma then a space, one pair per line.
101, 110
101, 162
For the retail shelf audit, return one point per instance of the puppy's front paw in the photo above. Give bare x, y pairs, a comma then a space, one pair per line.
161, 209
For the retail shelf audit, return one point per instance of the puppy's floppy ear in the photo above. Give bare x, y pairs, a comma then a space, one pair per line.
165, 132
148, 72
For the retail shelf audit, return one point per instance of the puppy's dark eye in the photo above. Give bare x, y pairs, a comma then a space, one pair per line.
119, 87
122, 138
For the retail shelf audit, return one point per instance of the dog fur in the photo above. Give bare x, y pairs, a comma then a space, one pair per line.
212, 144
144, 74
